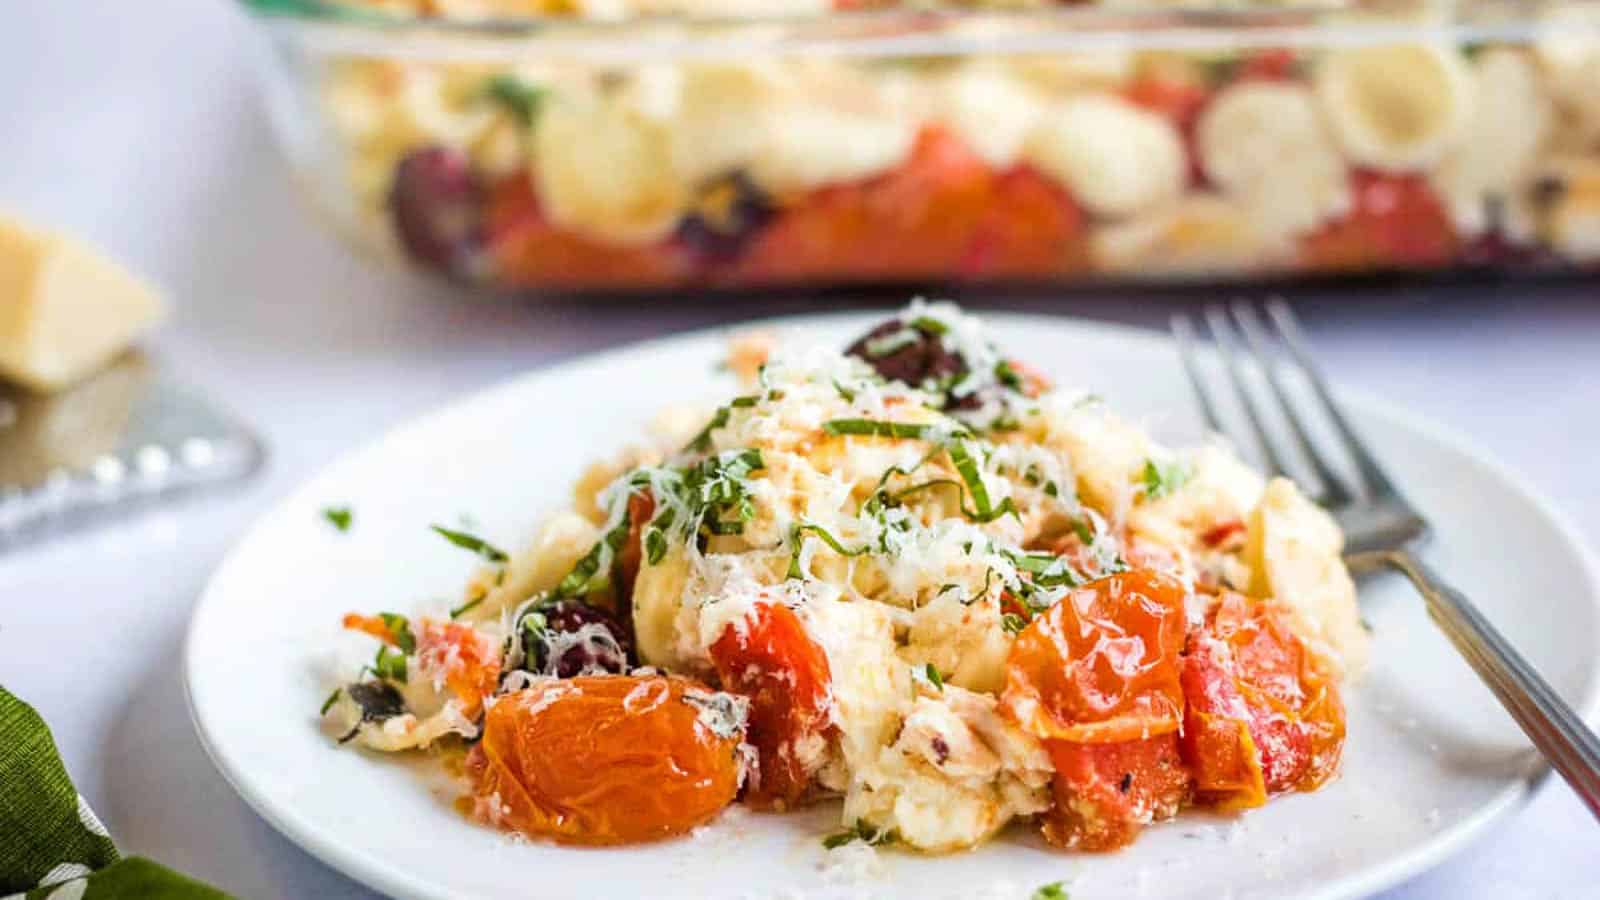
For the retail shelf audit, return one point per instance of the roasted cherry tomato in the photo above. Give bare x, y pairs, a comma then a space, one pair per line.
1101, 665
768, 657
913, 221
1096, 678
1263, 713
528, 250
468, 660
1031, 230
1105, 793
1397, 222
605, 759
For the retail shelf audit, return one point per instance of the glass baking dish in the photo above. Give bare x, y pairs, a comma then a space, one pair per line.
1049, 145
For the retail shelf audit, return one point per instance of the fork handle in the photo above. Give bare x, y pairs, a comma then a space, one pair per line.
1553, 726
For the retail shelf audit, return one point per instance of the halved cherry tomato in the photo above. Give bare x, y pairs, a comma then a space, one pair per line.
1096, 678
468, 660
1397, 222
1273, 64
1105, 793
1031, 229
529, 251
769, 658
603, 759
1263, 713
1101, 665
913, 221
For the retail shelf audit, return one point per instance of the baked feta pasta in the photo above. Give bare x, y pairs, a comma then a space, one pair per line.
910, 575
1412, 153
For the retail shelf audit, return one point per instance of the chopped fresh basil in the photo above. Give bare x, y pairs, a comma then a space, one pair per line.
1007, 375
467, 607
930, 325
400, 628
521, 98
702, 441
797, 536
860, 831
1161, 479
338, 516
582, 579
744, 402
967, 466
1013, 623
934, 678
332, 699
390, 664
875, 428
472, 542
848, 395
1080, 527
1051, 891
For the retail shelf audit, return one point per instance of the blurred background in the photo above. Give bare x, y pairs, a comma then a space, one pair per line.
141, 129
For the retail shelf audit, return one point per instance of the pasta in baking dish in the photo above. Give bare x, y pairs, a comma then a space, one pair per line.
910, 574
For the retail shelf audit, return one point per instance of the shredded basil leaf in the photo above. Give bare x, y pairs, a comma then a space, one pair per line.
400, 627
338, 516
1051, 891
875, 428
390, 664
518, 96
332, 699
860, 831
702, 441
1161, 479
472, 542
467, 607
1013, 623
934, 678
796, 536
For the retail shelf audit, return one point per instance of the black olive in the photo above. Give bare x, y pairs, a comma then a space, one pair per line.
729, 213
437, 204
914, 355
607, 651
1127, 782
378, 701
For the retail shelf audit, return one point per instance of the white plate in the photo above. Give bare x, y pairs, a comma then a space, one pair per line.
1431, 759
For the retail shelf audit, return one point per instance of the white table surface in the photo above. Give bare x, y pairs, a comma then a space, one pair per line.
136, 125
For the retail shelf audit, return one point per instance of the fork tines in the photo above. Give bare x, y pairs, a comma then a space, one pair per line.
1271, 342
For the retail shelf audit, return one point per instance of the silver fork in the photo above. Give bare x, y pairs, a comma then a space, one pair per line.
1381, 527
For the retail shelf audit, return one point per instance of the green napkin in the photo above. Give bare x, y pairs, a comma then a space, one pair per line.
51, 844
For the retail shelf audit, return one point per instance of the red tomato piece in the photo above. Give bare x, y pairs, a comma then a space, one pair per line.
1275, 64
1106, 793
1264, 715
1397, 222
914, 221
1031, 229
467, 660
371, 625
529, 251
769, 658
1101, 665
603, 759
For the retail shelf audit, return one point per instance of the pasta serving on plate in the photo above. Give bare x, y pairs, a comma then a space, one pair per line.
911, 574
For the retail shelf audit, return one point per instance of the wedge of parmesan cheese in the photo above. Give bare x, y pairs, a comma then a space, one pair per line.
64, 310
